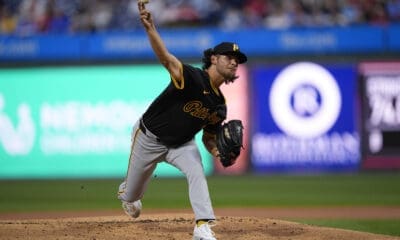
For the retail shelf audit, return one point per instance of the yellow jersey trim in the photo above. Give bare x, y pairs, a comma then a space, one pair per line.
179, 83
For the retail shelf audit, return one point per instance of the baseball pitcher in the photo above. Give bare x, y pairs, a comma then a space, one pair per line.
191, 102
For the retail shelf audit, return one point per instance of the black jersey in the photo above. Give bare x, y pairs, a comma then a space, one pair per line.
186, 107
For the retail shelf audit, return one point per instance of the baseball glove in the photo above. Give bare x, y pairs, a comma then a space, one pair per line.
230, 142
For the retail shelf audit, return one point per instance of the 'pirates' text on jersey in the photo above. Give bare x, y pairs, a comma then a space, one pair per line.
185, 107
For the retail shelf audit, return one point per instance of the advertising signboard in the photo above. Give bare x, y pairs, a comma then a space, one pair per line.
191, 42
305, 118
381, 115
61, 122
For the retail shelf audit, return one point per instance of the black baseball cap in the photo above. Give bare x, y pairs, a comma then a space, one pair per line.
230, 48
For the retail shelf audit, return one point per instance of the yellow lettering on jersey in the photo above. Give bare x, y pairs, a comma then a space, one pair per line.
196, 109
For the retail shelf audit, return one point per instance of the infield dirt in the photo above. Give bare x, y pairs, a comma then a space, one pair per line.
177, 226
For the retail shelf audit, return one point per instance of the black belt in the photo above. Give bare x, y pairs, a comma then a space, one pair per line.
142, 127
144, 130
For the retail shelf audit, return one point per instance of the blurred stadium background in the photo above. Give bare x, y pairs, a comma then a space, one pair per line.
319, 97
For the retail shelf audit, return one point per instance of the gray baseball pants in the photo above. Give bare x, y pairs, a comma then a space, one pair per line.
147, 151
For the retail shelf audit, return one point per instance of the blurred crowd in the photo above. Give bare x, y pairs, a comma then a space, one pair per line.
27, 17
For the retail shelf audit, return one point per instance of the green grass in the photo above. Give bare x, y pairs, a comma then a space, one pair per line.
226, 191
331, 190
42, 195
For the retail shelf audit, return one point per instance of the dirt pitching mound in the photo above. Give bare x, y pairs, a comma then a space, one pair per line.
170, 227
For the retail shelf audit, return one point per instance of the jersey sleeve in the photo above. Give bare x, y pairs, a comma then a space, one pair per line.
189, 73
179, 83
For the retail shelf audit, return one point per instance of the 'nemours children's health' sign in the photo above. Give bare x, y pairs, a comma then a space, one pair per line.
74, 121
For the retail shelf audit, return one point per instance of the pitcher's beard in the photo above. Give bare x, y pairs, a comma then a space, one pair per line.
231, 79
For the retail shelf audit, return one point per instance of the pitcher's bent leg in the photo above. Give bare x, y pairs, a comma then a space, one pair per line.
145, 154
136, 182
